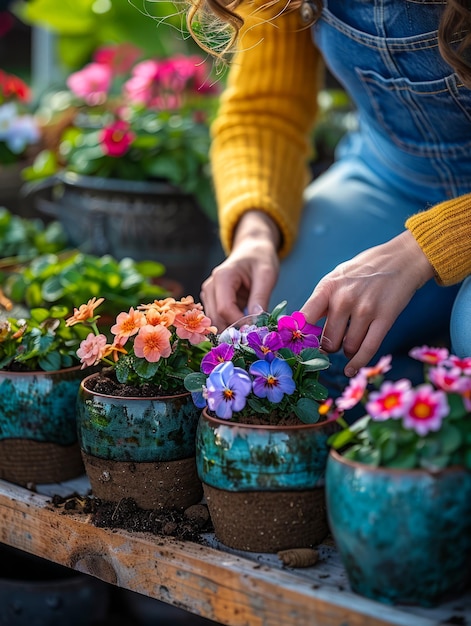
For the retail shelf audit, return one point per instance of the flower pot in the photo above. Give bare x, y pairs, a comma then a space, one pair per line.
264, 484
404, 536
140, 448
138, 219
38, 429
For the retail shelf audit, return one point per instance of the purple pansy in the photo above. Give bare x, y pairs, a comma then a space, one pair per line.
227, 388
264, 342
220, 354
297, 334
272, 379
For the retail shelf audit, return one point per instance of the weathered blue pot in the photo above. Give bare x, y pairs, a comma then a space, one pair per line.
264, 484
143, 448
38, 428
404, 536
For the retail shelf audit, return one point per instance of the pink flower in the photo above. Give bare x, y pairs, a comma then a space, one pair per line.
92, 83
432, 356
116, 138
152, 343
193, 325
353, 393
296, 333
142, 88
383, 366
426, 410
92, 350
463, 364
389, 401
119, 58
449, 380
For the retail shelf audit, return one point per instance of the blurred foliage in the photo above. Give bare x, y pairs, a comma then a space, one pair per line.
82, 26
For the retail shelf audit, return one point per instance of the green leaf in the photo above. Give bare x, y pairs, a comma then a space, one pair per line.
195, 381
144, 369
50, 362
307, 410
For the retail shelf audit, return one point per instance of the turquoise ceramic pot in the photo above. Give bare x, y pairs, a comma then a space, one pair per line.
38, 428
264, 484
404, 536
129, 440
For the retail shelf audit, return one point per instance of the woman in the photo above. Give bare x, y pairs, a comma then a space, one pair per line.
397, 200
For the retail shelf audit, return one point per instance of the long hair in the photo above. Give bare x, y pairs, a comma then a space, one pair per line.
454, 30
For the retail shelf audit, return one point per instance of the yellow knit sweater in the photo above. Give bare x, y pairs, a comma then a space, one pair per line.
261, 142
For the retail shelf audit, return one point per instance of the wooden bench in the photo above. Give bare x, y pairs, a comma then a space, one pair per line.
233, 588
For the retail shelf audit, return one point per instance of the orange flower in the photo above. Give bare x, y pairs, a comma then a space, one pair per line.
193, 325
84, 312
152, 343
187, 304
159, 305
155, 317
114, 350
128, 324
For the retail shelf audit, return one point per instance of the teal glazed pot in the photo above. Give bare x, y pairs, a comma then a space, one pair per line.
38, 428
404, 536
264, 484
139, 447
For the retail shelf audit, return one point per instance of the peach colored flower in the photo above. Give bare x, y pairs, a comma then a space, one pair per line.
84, 312
92, 350
155, 317
159, 305
128, 324
115, 349
193, 325
152, 343
187, 304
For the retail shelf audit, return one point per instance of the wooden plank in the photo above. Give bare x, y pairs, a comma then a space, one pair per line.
219, 585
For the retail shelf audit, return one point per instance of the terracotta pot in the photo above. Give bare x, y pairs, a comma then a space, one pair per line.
264, 484
140, 448
404, 535
38, 429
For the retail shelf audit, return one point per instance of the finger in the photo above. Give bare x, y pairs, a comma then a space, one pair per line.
317, 305
335, 328
370, 345
263, 283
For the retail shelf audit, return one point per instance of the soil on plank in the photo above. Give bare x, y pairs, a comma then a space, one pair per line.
187, 525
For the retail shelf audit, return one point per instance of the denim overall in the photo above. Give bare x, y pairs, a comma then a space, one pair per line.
412, 150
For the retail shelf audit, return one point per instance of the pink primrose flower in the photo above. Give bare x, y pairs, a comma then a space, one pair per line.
389, 401
92, 350
426, 410
116, 138
463, 364
92, 83
431, 356
152, 343
353, 393
448, 380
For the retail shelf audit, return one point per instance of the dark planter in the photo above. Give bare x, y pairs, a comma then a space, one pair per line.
137, 219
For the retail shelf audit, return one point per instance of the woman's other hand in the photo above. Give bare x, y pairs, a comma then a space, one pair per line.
362, 298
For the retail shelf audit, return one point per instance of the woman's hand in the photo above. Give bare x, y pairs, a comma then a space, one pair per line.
243, 283
362, 298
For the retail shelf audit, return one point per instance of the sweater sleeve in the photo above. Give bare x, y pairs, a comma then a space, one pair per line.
261, 136
444, 234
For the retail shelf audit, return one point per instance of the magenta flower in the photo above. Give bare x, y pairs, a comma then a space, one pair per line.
431, 356
227, 388
264, 342
296, 333
353, 392
463, 364
272, 379
92, 83
119, 58
426, 410
389, 401
216, 356
116, 139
